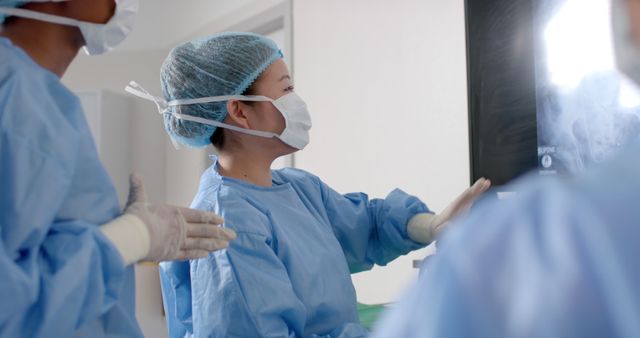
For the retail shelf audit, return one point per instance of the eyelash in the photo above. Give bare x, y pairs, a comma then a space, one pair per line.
289, 89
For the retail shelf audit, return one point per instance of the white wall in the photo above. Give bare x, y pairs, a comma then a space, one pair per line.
170, 175
148, 153
386, 85
161, 23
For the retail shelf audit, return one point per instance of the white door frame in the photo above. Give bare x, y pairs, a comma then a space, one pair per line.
279, 16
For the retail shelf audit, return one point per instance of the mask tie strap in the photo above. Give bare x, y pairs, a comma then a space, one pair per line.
221, 98
29, 14
135, 89
226, 126
163, 108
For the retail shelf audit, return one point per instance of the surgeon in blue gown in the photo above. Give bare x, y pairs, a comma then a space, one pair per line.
559, 260
288, 273
66, 247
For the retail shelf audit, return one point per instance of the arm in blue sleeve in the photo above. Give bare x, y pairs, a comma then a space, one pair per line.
372, 231
57, 274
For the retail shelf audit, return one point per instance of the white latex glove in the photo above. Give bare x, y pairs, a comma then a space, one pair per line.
424, 228
151, 232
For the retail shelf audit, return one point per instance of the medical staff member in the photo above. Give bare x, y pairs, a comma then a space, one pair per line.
558, 261
66, 252
288, 274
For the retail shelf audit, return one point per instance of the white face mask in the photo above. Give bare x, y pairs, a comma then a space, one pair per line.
99, 38
293, 108
626, 51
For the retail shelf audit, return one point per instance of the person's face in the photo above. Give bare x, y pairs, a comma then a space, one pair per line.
274, 83
94, 11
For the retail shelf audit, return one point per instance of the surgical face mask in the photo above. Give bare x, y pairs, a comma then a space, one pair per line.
626, 51
99, 38
291, 106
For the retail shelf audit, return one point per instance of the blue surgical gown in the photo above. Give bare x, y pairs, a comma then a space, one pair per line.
559, 260
288, 272
60, 277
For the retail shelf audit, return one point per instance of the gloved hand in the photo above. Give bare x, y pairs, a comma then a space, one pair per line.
151, 232
424, 228
176, 233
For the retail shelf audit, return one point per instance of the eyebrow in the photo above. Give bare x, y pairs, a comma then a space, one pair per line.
285, 77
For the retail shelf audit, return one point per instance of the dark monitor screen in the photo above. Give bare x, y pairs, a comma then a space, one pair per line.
544, 94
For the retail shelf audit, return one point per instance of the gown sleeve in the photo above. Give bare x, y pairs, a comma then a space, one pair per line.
371, 231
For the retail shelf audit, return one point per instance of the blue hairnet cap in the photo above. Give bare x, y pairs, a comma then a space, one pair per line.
10, 3
222, 64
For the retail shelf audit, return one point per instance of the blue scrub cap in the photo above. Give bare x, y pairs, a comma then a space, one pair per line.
222, 64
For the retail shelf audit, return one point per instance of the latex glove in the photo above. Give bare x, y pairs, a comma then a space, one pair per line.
151, 232
424, 228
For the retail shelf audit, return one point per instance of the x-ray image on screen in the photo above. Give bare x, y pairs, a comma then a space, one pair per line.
586, 110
